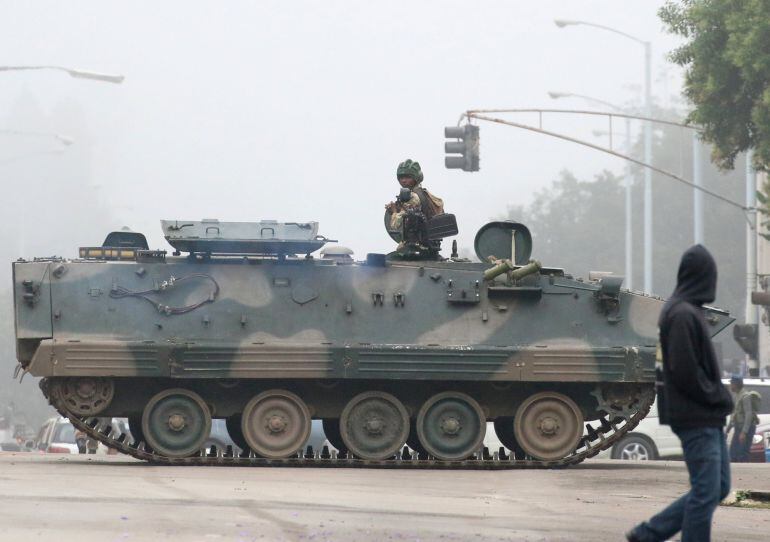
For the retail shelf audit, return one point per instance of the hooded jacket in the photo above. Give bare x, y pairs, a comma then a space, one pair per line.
691, 393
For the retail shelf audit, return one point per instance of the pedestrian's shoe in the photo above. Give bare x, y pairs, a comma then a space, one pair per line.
631, 536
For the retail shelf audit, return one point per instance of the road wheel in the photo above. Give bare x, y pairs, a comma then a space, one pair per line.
176, 423
634, 448
506, 435
548, 425
332, 432
374, 425
276, 424
451, 426
233, 425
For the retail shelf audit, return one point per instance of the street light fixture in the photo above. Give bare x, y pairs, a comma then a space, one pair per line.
79, 74
562, 23
64, 140
629, 270
556, 95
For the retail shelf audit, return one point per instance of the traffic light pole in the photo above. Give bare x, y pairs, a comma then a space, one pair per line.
751, 239
475, 114
741, 333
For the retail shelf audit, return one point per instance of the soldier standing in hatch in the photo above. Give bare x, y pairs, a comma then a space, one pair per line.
409, 175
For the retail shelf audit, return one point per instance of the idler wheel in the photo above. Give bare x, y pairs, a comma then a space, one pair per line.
176, 423
374, 425
548, 425
506, 435
233, 424
85, 396
451, 426
276, 424
332, 431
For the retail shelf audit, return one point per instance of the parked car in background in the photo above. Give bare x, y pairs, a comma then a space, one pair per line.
648, 440
757, 449
57, 436
767, 446
651, 440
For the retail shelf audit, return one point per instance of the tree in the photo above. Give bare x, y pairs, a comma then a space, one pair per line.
727, 79
566, 217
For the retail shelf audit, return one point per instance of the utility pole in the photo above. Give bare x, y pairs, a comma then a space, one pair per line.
648, 240
751, 238
629, 210
763, 276
697, 195
627, 182
647, 171
752, 319
72, 72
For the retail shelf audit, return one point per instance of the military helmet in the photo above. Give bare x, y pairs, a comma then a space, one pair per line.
409, 168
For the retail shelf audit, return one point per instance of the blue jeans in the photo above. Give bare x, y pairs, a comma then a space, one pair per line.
739, 453
708, 463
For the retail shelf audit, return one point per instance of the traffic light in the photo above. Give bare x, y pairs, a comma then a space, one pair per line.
467, 147
747, 337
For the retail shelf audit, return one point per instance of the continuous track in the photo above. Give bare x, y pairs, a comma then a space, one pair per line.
611, 429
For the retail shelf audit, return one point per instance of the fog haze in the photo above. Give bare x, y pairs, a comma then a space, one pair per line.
297, 111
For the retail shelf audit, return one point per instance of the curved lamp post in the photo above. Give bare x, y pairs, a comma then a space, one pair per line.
629, 271
79, 74
64, 140
562, 23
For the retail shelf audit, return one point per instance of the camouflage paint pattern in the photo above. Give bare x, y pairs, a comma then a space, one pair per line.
316, 319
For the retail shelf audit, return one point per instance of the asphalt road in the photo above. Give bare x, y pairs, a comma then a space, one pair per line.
112, 498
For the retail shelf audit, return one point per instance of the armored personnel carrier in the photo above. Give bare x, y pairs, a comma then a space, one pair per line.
243, 322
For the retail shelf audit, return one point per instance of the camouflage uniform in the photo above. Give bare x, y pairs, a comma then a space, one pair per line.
419, 200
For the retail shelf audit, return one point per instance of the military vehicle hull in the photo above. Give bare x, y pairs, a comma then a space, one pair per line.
384, 352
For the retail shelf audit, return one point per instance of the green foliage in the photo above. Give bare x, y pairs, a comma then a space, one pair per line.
742, 495
727, 61
566, 216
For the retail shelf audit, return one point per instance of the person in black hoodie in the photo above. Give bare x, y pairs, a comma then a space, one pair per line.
693, 401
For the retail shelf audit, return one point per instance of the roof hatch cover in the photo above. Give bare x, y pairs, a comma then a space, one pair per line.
497, 239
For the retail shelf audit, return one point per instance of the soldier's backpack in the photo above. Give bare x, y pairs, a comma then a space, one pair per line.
756, 401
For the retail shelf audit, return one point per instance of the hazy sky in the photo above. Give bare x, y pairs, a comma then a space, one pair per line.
302, 110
